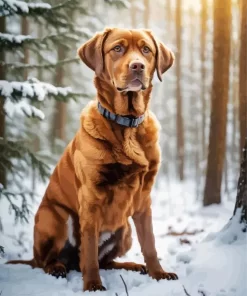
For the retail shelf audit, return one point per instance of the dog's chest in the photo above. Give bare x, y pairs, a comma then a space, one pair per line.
114, 174
122, 185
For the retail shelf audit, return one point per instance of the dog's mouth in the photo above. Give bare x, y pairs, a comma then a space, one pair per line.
134, 85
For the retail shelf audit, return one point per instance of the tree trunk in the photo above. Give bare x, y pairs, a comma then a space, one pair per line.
226, 178
2, 114
168, 16
59, 119
146, 13
179, 116
243, 75
195, 157
235, 155
133, 15
241, 200
235, 92
40, 70
220, 86
40, 74
25, 31
203, 73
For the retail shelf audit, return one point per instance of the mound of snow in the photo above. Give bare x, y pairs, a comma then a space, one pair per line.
218, 266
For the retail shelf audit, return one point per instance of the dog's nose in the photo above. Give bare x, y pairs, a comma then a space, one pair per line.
137, 66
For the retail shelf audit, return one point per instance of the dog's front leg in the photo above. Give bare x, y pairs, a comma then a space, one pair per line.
89, 218
89, 252
144, 228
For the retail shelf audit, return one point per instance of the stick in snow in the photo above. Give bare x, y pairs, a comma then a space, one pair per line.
126, 290
185, 291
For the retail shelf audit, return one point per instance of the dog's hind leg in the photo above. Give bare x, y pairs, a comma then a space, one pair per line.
50, 234
122, 243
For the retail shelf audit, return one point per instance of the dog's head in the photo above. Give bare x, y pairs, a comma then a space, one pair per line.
127, 58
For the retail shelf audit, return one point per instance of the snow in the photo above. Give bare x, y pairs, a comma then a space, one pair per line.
21, 6
21, 107
126, 3
225, 253
15, 5
39, 5
212, 262
15, 38
32, 88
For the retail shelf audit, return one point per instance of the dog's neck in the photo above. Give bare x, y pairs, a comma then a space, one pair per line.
122, 103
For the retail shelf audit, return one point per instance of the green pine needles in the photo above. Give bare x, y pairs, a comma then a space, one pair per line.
22, 97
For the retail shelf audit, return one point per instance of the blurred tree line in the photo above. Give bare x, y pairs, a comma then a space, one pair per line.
201, 103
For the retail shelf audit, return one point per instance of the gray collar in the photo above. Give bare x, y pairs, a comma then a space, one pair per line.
122, 120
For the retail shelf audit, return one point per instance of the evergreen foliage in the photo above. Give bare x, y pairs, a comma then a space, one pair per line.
22, 98
16, 155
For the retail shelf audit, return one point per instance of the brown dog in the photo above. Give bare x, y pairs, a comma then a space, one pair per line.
107, 171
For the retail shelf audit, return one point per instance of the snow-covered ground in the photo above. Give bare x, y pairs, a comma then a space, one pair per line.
210, 256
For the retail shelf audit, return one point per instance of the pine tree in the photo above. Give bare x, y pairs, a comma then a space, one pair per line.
16, 155
26, 95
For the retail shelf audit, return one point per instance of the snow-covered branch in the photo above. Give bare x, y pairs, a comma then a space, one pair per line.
11, 7
119, 3
14, 7
36, 90
21, 66
9, 41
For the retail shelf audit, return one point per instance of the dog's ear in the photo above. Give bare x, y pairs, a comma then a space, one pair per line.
164, 59
164, 56
91, 52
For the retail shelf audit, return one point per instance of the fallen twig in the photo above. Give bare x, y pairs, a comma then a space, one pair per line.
201, 292
184, 241
185, 291
185, 232
126, 289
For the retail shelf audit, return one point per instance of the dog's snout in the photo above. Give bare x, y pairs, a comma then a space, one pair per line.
136, 66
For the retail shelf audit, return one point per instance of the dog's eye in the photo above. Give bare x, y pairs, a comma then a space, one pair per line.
146, 49
117, 48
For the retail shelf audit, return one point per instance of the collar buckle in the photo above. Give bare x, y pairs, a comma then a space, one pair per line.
133, 122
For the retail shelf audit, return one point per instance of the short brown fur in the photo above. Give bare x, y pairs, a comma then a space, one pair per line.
106, 173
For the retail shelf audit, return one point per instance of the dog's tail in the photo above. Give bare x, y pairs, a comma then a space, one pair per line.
26, 262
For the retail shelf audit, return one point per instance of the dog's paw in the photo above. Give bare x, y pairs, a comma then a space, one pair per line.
57, 270
134, 267
162, 275
93, 286
143, 270
140, 268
